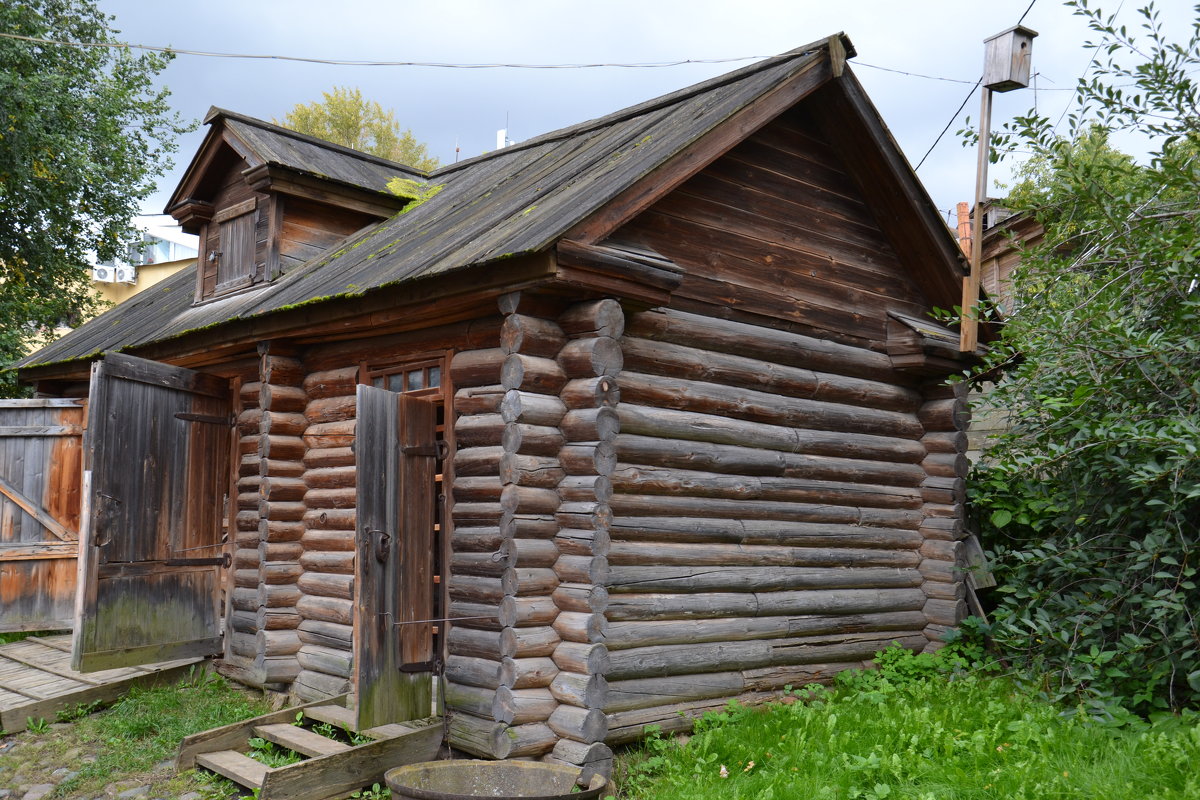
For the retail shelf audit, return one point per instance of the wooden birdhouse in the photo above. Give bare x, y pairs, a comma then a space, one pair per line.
1007, 59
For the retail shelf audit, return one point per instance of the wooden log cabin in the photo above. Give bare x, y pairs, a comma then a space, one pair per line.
605, 428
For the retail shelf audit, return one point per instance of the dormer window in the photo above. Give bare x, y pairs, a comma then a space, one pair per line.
234, 257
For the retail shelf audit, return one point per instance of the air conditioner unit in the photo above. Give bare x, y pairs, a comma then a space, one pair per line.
126, 275
104, 274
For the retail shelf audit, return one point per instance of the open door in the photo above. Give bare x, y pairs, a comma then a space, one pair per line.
396, 453
156, 483
41, 446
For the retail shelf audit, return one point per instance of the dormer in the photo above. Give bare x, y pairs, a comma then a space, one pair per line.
264, 199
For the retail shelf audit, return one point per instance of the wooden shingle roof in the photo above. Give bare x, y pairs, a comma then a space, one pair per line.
518, 200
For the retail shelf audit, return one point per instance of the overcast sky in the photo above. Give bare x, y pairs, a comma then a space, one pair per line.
465, 107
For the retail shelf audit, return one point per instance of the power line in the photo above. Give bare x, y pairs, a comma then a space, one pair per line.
1026, 14
910, 74
948, 124
365, 63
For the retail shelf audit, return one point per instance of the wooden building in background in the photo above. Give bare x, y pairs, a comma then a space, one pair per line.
605, 428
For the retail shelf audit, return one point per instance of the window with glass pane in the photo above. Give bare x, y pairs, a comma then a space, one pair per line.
412, 377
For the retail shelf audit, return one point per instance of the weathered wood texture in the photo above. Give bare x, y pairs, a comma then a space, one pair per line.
40, 480
761, 524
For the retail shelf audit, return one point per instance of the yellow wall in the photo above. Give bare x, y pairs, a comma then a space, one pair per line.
147, 276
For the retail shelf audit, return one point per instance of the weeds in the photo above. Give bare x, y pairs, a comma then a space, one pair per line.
271, 754
36, 725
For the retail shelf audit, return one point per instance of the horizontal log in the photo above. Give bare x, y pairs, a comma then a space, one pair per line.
532, 581
485, 616
945, 415
591, 357
274, 572
327, 585
934, 569
276, 643
627, 695
769, 679
479, 430
249, 393
945, 442
278, 596
323, 541
753, 341
579, 724
943, 550
326, 660
475, 700
592, 759
536, 440
582, 569
946, 612
477, 489
593, 318
676, 506
331, 498
624, 553
331, 409
477, 540
285, 490
691, 426
244, 598
756, 579
477, 367
343, 477
277, 619
326, 634
330, 519
477, 461
520, 612
528, 499
631, 479
581, 597
594, 392
464, 641
588, 628
585, 659
330, 434
583, 691
468, 671
544, 472
475, 735
281, 551
576, 542
748, 404
696, 364
528, 642
584, 515
529, 526
524, 741
532, 409
629, 607
738, 460
476, 589
310, 686
283, 370
522, 706
594, 488
945, 591
619, 636
342, 381
341, 561
521, 333
282, 398
527, 673
244, 622
532, 374
479, 399
591, 424
597, 458
283, 448
272, 530
326, 609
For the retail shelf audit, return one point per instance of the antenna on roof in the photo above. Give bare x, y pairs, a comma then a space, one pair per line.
456, 150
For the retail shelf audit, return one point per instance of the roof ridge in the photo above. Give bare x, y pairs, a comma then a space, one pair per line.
652, 104
216, 111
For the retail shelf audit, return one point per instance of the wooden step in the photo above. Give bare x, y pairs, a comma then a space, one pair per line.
237, 767
300, 739
393, 729
341, 716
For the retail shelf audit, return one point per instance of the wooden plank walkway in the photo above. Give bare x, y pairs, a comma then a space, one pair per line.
36, 680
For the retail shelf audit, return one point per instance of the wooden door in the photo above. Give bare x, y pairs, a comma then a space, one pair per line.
41, 446
395, 449
156, 483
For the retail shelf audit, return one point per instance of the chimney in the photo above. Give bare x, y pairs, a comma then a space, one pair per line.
964, 228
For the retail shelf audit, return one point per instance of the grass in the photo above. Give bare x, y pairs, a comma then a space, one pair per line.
929, 738
132, 738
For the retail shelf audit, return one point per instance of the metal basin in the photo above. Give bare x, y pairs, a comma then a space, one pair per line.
461, 779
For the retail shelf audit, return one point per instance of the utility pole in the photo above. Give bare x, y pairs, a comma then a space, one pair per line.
1006, 65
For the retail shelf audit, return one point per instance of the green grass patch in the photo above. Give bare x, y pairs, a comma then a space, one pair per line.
917, 737
145, 727
16, 636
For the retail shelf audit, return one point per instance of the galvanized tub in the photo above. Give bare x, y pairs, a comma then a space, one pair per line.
462, 779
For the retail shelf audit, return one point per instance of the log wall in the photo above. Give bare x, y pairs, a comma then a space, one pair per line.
767, 503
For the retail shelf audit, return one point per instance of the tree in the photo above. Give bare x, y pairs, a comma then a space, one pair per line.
83, 132
345, 117
1091, 503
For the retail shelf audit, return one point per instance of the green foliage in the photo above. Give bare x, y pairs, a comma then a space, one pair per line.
1091, 503
376, 792
345, 117
922, 730
271, 754
36, 725
83, 133
76, 711
419, 191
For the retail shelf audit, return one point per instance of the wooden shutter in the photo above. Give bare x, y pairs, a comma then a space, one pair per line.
156, 480
395, 446
40, 476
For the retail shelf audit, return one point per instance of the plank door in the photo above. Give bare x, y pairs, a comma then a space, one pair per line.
41, 447
156, 483
395, 449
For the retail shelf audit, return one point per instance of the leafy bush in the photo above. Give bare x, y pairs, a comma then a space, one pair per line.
1091, 503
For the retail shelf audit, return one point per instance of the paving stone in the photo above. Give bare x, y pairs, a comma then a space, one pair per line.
5, 793
191, 796
134, 793
38, 791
